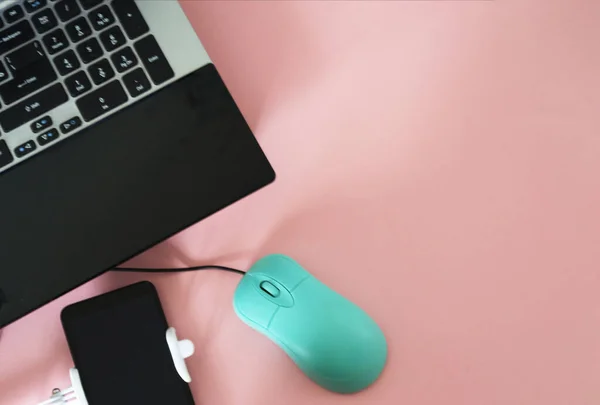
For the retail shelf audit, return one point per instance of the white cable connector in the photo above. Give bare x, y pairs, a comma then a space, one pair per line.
73, 395
61, 397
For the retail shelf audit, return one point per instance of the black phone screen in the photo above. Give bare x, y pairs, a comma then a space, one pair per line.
118, 344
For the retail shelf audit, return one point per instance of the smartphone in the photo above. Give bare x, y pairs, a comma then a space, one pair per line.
118, 344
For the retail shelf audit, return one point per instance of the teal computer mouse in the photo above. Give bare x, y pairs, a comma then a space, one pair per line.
334, 342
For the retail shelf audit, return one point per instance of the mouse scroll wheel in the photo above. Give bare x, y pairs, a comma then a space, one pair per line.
269, 288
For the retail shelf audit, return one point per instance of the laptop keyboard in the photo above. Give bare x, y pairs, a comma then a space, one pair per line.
98, 53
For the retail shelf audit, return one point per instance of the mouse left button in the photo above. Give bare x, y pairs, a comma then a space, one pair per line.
251, 306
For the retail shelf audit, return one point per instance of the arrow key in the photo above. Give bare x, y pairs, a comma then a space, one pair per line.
70, 125
41, 124
25, 149
48, 136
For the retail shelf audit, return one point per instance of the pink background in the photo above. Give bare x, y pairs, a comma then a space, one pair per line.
438, 164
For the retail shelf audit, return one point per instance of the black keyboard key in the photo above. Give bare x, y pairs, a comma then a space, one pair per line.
30, 80
124, 59
3, 73
153, 58
32, 107
25, 56
112, 38
66, 62
87, 4
31, 71
89, 50
102, 100
5, 156
55, 41
101, 72
44, 21
13, 13
136, 82
67, 9
48, 136
41, 123
15, 35
131, 19
34, 5
78, 84
70, 125
25, 148
78, 29
101, 18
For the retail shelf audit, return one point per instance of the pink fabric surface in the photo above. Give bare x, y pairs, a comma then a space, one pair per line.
437, 164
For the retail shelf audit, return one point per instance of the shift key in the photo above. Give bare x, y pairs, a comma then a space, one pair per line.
32, 107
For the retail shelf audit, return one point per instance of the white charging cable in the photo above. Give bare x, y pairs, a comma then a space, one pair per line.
75, 395
61, 397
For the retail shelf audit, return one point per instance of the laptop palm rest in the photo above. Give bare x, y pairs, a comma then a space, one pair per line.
122, 186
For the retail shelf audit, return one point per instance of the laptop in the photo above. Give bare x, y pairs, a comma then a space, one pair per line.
116, 131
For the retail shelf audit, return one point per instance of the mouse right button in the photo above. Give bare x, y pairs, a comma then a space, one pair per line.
284, 269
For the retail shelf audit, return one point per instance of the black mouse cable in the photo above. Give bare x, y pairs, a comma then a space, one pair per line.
178, 269
169, 270
60, 396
